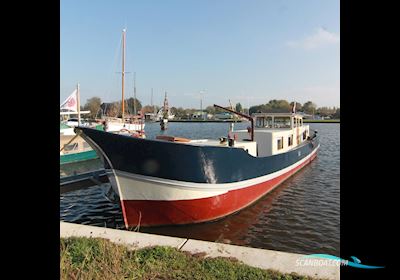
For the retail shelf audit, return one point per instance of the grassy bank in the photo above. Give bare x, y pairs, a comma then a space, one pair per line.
320, 121
93, 258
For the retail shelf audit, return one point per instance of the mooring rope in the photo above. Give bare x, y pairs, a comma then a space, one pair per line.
69, 142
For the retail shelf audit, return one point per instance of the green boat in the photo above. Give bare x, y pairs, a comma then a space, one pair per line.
74, 149
77, 157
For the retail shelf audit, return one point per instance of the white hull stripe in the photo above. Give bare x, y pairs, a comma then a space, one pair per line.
127, 182
132, 189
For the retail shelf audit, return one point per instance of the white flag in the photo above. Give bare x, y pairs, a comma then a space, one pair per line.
71, 102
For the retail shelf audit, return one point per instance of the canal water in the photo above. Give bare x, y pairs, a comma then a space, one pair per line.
302, 215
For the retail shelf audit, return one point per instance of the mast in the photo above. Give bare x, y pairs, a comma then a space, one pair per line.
78, 104
201, 106
154, 110
123, 74
151, 100
134, 93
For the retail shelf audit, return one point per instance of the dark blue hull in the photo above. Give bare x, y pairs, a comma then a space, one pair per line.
189, 163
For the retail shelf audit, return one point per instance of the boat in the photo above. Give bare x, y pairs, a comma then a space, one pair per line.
72, 147
75, 150
126, 125
170, 180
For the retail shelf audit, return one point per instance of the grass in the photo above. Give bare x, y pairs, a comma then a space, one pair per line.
95, 258
320, 121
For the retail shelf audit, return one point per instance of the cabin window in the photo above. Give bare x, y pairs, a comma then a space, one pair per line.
260, 122
264, 122
268, 122
290, 140
282, 122
70, 147
305, 135
280, 143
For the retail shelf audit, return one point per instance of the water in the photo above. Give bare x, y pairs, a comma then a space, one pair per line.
301, 216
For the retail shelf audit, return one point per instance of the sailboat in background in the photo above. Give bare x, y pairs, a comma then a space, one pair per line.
133, 124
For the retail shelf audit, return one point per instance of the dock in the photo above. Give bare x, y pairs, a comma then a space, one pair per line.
83, 180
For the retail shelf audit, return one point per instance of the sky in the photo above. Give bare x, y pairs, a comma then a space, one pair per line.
217, 51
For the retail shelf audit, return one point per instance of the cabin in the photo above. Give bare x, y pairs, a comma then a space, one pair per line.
275, 133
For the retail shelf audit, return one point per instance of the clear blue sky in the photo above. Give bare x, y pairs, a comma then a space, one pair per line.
248, 51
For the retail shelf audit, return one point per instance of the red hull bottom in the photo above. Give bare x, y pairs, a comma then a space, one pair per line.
156, 213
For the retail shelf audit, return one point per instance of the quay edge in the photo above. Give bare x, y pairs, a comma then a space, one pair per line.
261, 258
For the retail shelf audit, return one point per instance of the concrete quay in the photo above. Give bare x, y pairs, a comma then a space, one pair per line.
261, 258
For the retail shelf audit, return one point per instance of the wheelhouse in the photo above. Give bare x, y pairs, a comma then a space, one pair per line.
275, 133
269, 134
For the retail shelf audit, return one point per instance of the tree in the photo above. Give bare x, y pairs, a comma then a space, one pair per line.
309, 108
278, 106
325, 111
210, 110
180, 113
130, 104
298, 106
337, 114
258, 109
149, 109
239, 107
93, 105
114, 109
273, 106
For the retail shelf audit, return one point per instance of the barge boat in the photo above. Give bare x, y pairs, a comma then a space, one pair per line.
170, 180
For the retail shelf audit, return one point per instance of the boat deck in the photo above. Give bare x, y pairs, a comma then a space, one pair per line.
207, 142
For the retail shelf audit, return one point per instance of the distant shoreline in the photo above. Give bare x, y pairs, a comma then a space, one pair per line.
238, 121
206, 121
320, 121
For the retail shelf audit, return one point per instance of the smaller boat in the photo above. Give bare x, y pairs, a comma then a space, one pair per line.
72, 147
75, 149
